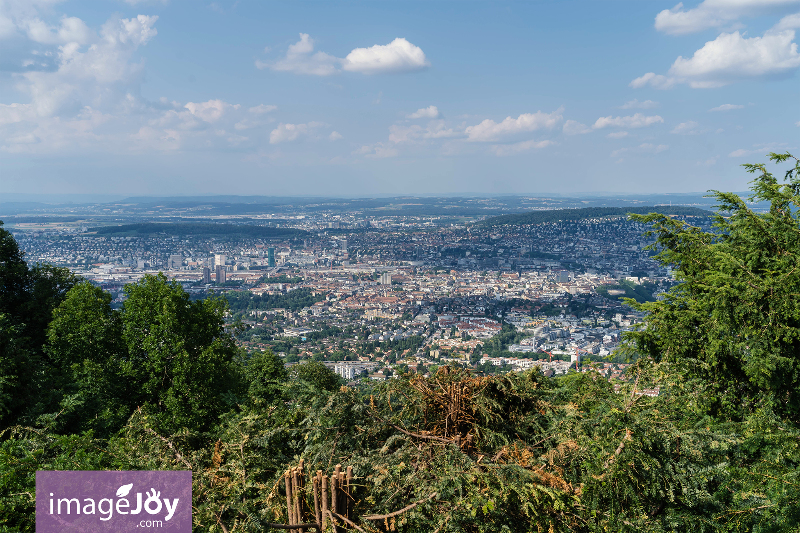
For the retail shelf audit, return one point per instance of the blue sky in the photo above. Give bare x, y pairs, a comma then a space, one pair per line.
381, 97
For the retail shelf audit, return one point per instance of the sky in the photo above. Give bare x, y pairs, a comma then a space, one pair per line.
356, 99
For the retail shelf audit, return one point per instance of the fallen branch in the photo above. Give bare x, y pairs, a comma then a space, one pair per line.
401, 511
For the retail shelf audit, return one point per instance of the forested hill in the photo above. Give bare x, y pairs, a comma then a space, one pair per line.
199, 228
558, 215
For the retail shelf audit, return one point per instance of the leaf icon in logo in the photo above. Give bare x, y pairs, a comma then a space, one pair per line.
124, 490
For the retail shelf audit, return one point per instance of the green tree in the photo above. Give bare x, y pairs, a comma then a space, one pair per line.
179, 357
316, 374
733, 321
86, 350
265, 373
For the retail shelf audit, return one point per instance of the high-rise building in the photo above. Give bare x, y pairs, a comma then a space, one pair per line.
344, 246
271, 257
175, 261
220, 259
206, 275
386, 279
220, 274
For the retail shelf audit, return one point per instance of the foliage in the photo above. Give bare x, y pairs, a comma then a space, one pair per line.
292, 300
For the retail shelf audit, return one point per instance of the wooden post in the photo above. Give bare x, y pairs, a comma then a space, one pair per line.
324, 502
289, 508
335, 488
316, 488
348, 509
296, 498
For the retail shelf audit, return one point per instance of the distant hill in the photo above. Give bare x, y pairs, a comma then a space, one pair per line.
558, 215
199, 229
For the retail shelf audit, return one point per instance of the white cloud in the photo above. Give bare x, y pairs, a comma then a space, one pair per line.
210, 111
731, 57
335, 136
573, 127
726, 107
299, 59
686, 128
425, 112
714, 14
636, 104
516, 148
71, 30
292, 132
489, 130
397, 56
637, 120
617, 134
789, 22
657, 81
708, 162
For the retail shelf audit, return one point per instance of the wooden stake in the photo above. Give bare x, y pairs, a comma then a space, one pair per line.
289, 499
316, 487
348, 508
324, 502
296, 498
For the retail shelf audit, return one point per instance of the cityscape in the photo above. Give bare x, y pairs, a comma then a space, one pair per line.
485, 266
376, 296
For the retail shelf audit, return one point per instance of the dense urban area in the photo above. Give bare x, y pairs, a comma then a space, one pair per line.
377, 295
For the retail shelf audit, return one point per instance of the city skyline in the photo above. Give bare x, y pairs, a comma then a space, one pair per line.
359, 99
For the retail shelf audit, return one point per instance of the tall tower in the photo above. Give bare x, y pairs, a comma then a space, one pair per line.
220, 274
271, 257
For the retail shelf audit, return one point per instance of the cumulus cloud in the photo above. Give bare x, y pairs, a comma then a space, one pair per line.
637, 120
617, 134
425, 112
729, 58
397, 56
686, 128
86, 95
335, 136
292, 132
636, 104
489, 130
714, 14
516, 148
573, 127
789, 22
732, 56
